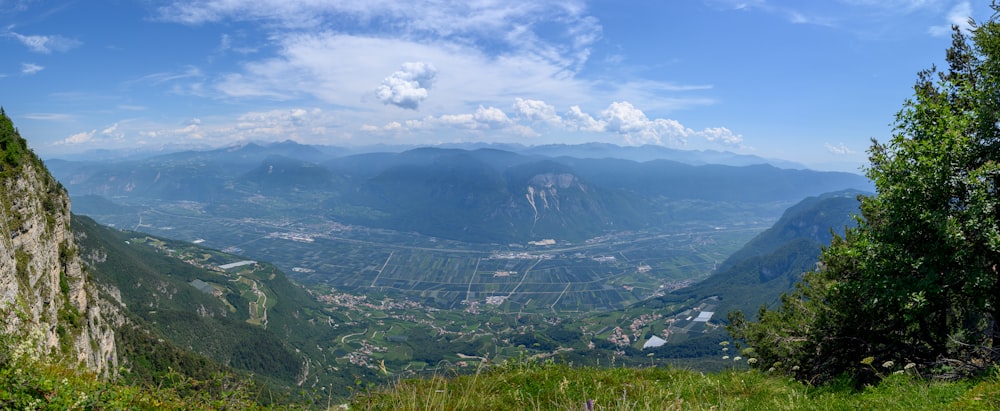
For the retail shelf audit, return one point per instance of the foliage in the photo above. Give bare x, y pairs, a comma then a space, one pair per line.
12, 146
916, 281
30, 381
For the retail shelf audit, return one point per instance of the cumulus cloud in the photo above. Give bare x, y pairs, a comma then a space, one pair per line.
491, 117
839, 149
30, 68
958, 15
407, 87
575, 119
45, 44
78, 138
621, 118
536, 110
484, 118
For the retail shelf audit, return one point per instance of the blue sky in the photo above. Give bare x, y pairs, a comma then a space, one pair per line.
808, 81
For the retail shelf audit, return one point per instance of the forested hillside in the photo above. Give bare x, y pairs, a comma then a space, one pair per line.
916, 282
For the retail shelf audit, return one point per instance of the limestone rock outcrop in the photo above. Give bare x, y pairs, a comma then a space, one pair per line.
45, 293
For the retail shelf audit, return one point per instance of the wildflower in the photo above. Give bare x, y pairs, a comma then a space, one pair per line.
771, 369
897, 372
724, 349
888, 364
868, 360
795, 368
725, 357
751, 360
724, 343
737, 358
909, 366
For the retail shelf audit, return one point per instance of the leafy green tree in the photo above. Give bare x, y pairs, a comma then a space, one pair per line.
916, 281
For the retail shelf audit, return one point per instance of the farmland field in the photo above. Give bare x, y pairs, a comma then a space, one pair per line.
603, 273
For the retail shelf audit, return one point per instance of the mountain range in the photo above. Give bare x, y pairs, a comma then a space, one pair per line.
483, 195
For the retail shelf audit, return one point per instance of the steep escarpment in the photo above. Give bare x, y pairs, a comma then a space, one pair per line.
45, 294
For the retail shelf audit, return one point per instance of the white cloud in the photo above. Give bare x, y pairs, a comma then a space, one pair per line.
536, 110
632, 123
78, 138
620, 118
567, 35
45, 44
839, 149
483, 54
899, 6
722, 136
113, 132
30, 68
168, 76
49, 116
491, 117
340, 69
576, 119
958, 16
623, 118
407, 87
484, 118
279, 124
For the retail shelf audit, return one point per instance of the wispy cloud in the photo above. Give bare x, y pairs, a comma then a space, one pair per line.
505, 26
838, 149
49, 116
958, 16
45, 44
30, 68
168, 76
790, 13
899, 6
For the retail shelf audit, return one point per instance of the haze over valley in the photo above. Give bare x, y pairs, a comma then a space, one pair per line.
452, 227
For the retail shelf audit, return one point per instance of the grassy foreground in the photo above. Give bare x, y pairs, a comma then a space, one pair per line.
519, 385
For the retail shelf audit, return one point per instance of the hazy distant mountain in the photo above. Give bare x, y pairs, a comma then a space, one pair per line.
653, 152
585, 150
278, 174
481, 195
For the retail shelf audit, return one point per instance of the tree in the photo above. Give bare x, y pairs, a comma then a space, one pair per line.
917, 280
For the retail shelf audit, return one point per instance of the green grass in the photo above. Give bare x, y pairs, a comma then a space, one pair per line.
29, 381
519, 385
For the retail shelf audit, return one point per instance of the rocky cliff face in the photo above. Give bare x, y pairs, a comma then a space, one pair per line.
45, 294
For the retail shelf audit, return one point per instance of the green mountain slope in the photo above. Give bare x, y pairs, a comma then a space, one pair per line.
249, 317
772, 262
